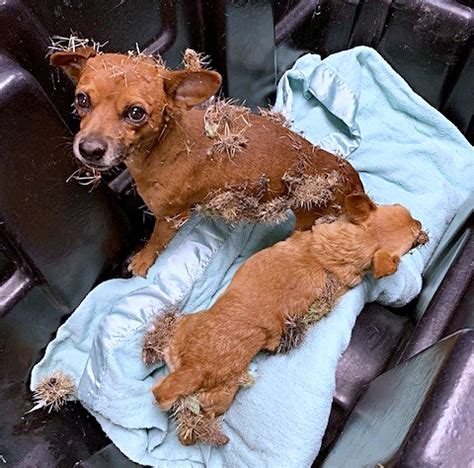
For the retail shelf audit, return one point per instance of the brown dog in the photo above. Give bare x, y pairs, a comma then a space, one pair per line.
230, 163
209, 351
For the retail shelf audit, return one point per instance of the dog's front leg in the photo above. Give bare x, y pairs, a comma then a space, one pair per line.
163, 232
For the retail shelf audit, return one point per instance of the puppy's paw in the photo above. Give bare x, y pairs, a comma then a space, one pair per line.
142, 261
163, 403
197, 427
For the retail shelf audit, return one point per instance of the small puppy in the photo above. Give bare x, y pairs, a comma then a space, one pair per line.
225, 160
209, 351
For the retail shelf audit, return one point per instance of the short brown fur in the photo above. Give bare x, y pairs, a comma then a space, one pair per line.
210, 350
169, 155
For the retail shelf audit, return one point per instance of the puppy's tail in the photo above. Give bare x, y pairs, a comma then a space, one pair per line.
181, 383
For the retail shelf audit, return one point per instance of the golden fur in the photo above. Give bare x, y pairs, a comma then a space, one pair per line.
210, 350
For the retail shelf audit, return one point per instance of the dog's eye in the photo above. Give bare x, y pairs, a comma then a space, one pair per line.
136, 114
82, 100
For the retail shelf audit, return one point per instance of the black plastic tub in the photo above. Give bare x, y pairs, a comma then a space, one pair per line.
47, 269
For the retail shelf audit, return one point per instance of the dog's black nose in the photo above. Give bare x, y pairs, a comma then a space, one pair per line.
92, 150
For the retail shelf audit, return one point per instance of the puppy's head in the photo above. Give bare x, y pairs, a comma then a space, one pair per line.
392, 227
123, 101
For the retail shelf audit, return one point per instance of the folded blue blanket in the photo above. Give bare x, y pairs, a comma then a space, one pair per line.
352, 103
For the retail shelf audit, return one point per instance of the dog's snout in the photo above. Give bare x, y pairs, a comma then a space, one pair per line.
92, 149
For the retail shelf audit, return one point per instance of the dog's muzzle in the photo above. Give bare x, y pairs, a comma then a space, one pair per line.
92, 150
97, 154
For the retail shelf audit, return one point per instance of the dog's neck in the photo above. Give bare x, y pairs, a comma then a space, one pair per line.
174, 128
344, 249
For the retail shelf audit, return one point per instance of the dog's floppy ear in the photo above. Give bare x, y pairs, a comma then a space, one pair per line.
72, 62
190, 88
384, 264
358, 206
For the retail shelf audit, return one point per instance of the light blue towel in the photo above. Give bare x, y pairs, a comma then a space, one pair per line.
352, 103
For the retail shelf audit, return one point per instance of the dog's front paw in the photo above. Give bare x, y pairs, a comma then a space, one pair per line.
142, 261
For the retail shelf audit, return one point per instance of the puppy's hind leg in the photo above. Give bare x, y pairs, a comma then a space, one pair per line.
216, 401
206, 426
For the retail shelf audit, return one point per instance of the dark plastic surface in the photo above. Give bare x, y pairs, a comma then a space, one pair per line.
427, 42
249, 61
37, 439
418, 414
56, 239
67, 234
443, 432
377, 333
16, 275
109, 456
25, 39
437, 321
